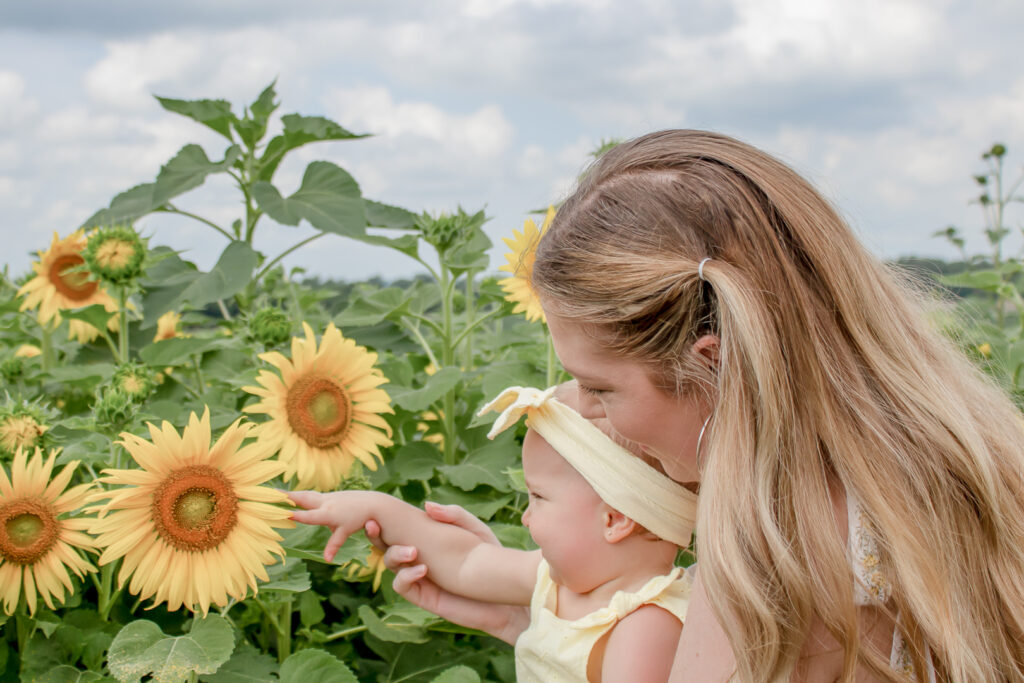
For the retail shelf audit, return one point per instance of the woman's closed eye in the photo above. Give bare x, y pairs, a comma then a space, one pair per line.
592, 390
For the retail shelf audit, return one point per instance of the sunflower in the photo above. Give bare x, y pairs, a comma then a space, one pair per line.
167, 326
19, 431
373, 565
518, 288
38, 543
194, 524
28, 351
325, 408
62, 284
115, 254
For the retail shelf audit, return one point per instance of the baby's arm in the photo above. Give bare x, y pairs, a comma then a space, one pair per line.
457, 560
641, 647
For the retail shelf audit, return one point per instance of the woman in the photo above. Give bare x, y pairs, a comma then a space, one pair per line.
862, 485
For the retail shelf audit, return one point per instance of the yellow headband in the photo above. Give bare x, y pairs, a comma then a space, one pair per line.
622, 480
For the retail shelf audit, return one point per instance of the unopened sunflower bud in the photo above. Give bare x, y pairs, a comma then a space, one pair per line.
115, 254
113, 408
136, 380
271, 327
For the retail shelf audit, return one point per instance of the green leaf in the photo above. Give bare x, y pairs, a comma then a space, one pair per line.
483, 506
187, 170
315, 666
179, 350
485, 465
289, 576
247, 665
383, 215
126, 207
329, 198
214, 114
305, 541
458, 674
80, 372
986, 280
396, 631
414, 460
469, 253
69, 674
418, 400
141, 648
253, 127
407, 244
366, 310
298, 131
96, 315
310, 611
231, 274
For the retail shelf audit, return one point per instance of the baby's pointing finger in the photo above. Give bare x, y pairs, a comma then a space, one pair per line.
315, 516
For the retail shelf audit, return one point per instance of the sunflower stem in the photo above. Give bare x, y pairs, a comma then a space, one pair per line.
47, 344
122, 333
284, 633
467, 349
25, 625
345, 633
103, 597
447, 359
199, 376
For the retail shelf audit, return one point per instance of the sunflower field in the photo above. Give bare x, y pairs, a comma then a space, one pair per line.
152, 416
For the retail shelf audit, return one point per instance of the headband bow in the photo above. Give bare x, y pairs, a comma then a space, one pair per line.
622, 480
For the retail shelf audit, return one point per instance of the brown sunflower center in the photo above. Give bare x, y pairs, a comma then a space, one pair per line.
195, 508
319, 411
115, 253
28, 529
75, 285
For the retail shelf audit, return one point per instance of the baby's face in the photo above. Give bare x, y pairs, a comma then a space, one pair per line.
565, 515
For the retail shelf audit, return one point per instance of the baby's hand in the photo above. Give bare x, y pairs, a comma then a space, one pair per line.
339, 511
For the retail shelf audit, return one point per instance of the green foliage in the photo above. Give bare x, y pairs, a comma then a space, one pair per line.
141, 649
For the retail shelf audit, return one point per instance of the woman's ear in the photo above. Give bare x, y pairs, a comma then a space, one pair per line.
708, 346
617, 526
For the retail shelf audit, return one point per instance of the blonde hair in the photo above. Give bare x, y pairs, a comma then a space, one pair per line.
828, 371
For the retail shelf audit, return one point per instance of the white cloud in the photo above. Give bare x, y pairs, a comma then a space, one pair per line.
15, 104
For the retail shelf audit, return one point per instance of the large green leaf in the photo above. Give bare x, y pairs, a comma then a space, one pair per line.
214, 114
125, 207
329, 198
141, 648
458, 674
372, 308
289, 576
232, 273
187, 170
179, 350
96, 315
315, 666
392, 631
414, 460
485, 465
482, 507
69, 674
381, 215
438, 384
247, 665
299, 130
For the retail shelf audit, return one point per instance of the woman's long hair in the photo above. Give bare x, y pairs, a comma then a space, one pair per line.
828, 372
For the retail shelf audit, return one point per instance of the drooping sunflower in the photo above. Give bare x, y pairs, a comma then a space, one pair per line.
61, 283
325, 408
518, 288
22, 425
39, 542
195, 524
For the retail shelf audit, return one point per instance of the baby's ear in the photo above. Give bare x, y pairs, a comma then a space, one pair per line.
617, 526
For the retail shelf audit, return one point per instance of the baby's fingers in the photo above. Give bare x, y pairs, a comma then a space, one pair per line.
314, 516
306, 499
335, 542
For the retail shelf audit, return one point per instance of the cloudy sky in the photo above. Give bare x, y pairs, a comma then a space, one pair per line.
884, 104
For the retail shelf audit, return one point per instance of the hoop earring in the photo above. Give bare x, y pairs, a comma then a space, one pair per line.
700, 440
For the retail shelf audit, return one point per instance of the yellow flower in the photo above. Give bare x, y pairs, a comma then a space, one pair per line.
985, 350
38, 543
54, 289
194, 524
325, 408
19, 431
518, 288
27, 351
167, 326
431, 419
373, 566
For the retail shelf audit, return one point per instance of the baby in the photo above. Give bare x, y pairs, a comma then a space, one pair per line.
605, 601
